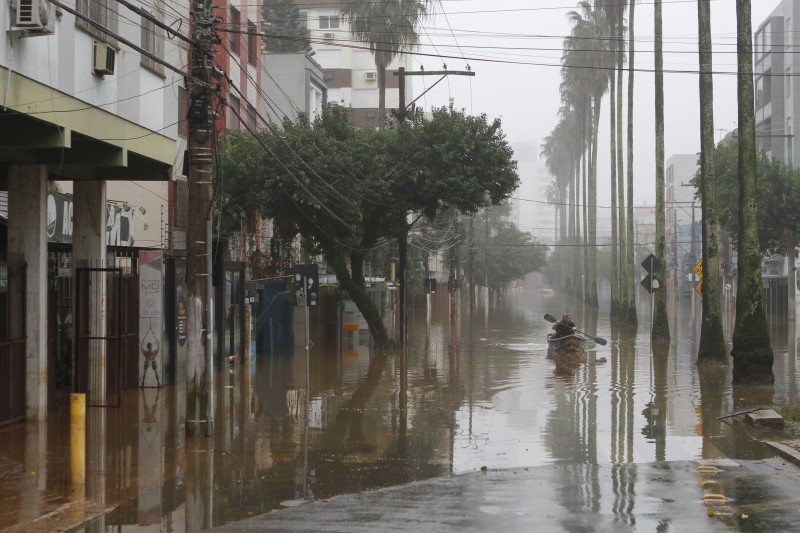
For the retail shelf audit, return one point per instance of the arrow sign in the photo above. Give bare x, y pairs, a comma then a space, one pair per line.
650, 284
698, 268
651, 263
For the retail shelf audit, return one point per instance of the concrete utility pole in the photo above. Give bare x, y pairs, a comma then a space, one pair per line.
199, 365
400, 113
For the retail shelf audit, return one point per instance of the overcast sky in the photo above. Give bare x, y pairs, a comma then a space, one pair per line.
514, 47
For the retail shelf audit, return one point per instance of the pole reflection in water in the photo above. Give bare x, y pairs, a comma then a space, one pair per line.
374, 418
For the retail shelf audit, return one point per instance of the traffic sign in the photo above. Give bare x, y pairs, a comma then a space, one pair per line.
650, 284
699, 287
651, 263
698, 268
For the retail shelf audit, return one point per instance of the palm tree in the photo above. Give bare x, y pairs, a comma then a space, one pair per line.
752, 352
389, 27
660, 328
614, 12
585, 49
630, 293
712, 340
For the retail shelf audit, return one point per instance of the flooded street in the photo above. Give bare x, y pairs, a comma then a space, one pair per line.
467, 394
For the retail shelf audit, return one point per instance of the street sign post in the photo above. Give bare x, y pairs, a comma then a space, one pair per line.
698, 269
650, 281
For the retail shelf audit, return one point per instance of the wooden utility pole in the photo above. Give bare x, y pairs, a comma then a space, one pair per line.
199, 364
400, 113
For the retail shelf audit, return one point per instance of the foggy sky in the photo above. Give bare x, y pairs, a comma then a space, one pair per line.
521, 43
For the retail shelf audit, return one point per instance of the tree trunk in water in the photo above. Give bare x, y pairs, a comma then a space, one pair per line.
752, 352
355, 286
631, 318
586, 171
612, 99
591, 204
622, 274
660, 329
712, 340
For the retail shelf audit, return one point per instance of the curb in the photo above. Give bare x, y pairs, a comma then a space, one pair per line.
781, 450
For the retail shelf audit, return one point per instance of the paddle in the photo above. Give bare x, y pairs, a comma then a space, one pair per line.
599, 340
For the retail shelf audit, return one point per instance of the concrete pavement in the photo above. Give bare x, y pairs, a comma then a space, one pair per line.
719, 495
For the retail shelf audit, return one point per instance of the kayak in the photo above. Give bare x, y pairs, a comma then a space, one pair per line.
570, 343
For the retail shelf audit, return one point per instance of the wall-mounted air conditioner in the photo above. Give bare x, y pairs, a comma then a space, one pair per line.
33, 17
105, 56
371, 76
327, 36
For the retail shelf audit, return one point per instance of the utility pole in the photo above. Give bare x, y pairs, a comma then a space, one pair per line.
400, 113
199, 365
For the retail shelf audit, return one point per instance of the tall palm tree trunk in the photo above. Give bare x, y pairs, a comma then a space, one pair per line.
631, 317
586, 171
622, 274
612, 99
712, 340
591, 271
660, 329
752, 352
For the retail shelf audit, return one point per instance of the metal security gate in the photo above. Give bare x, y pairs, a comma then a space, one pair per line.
12, 340
105, 333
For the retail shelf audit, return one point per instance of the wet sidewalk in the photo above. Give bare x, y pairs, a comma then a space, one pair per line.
715, 495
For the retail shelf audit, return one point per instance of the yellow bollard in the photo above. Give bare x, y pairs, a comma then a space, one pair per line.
77, 442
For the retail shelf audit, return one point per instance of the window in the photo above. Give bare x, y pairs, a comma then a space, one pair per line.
252, 43
251, 117
153, 40
236, 20
787, 39
232, 121
302, 18
329, 59
328, 22
103, 12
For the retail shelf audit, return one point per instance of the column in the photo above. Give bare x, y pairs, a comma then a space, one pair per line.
89, 249
27, 223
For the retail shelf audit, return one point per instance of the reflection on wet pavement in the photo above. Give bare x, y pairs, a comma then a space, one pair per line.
462, 396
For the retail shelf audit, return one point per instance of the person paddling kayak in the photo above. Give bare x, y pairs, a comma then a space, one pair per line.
566, 326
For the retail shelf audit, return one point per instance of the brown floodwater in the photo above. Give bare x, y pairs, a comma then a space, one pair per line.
466, 393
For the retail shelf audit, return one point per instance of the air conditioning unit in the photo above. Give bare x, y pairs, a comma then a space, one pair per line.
327, 36
105, 56
327, 75
33, 17
371, 76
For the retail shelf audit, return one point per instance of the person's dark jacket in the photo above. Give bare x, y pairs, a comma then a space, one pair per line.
563, 328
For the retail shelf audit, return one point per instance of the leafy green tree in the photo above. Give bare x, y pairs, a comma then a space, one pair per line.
512, 254
348, 191
388, 27
752, 351
284, 30
777, 193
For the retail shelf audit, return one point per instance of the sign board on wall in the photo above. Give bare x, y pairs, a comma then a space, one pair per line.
151, 317
60, 212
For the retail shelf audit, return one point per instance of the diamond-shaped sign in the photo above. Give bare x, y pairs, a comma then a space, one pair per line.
699, 287
698, 268
651, 263
650, 284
